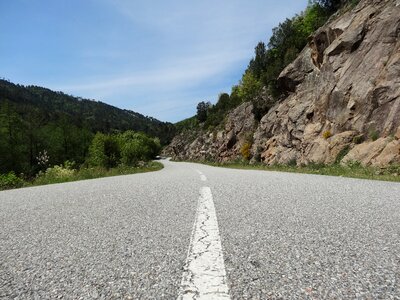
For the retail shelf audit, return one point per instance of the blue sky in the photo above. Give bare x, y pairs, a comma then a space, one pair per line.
159, 58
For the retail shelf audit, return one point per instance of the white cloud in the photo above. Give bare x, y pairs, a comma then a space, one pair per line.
178, 46
183, 72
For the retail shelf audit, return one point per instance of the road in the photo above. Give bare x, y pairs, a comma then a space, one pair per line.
195, 231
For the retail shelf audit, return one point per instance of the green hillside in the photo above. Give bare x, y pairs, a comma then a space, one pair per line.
35, 119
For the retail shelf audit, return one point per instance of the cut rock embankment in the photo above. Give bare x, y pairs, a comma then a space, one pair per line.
343, 100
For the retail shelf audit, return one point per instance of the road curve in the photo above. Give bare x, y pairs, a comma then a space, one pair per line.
278, 236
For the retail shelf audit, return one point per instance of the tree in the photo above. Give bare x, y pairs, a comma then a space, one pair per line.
259, 62
329, 5
13, 151
104, 151
137, 146
313, 17
202, 111
249, 87
223, 102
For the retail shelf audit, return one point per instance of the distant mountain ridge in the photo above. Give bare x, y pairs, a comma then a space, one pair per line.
95, 115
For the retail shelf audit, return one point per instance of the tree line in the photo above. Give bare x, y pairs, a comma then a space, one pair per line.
34, 120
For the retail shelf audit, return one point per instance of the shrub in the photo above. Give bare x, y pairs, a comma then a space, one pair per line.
214, 135
56, 174
342, 153
373, 135
245, 151
292, 163
262, 103
393, 169
354, 164
358, 139
353, 3
109, 151
249, 87
187, 124
104, 151
132, 152
9, 181
257, 155
327, 134
136, 146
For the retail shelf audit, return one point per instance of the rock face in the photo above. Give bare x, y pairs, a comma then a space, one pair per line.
343, 97
349, 95
219, 145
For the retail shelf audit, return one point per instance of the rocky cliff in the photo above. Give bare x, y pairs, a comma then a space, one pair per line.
342, 104
220, 145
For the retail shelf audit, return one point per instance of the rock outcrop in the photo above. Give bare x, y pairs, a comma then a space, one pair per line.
343, 99
221, 145
351, 94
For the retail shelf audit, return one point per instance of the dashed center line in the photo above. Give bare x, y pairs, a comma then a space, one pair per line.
202, 176
204, 275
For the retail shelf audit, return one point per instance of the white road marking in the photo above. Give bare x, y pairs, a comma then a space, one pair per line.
204, 275
203, 177
199, 172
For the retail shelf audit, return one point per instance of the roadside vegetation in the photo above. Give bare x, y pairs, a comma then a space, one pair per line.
352, 170
35, 121
108, 155
59, 174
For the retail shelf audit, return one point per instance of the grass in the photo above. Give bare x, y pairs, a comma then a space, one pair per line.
60, 175
353, 170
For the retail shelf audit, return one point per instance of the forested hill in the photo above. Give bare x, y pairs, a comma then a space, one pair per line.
35, 119
43, 106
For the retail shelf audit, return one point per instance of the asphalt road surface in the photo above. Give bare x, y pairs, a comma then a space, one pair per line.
192, 231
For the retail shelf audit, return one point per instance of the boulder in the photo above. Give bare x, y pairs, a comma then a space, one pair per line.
366, 152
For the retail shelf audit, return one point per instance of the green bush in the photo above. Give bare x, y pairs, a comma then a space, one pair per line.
9, 181
292, 163
393, 169
132, 152
104, 151
245, 150
327, 134
56, 174
353, 3
358, 139
354, 164
128, 148
342, 153
249, 87
187, 124
373, 135
59, 172
137, 146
